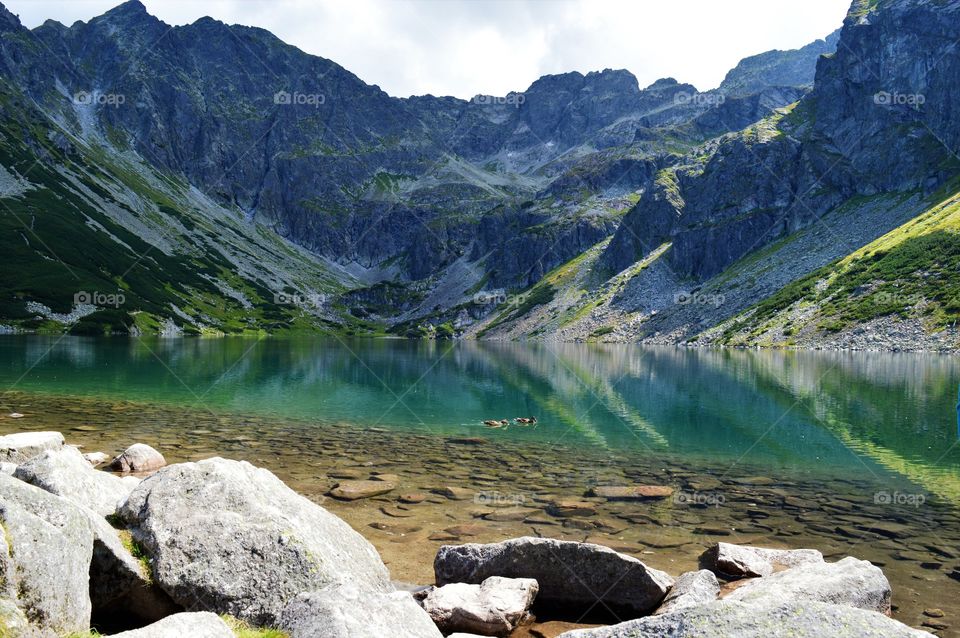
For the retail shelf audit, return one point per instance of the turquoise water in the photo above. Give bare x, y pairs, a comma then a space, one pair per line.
787, 411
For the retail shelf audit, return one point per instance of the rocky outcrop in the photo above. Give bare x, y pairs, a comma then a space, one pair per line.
778, 68
347, 612
228, 537
571, 575
46, 548
850, 582
875, 122
739, 561
493, 608
66, 473
200, 624
139, 457
725, 618
23, 446
690, 589
110, 571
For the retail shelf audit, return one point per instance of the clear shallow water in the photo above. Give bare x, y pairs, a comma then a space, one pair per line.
850, 453
794, 411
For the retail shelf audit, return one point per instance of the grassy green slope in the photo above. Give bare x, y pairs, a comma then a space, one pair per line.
912, 272
82, 216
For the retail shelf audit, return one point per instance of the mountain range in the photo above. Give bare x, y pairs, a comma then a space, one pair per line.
210, 179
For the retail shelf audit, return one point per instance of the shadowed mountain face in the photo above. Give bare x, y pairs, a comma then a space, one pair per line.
881, 118
374, 187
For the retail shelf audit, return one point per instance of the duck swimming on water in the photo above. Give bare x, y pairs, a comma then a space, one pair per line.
526, 420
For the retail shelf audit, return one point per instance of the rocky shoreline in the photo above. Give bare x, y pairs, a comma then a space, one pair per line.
204, 548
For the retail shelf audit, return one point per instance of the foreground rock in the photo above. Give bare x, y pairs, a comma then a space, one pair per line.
139, 457
201, 624
228, 537
492, 608
45, 553
691, 589
851, 582
23, 446
66, 473
111, 571
13, 622
727, 618
739, 561
96, 458
346, 612
577, 576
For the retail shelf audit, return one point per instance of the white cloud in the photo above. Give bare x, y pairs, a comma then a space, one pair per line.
465, 47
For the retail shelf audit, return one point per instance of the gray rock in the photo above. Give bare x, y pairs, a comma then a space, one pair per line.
727, 618
64, 472
45, 561
13, 622
23, 446
139, 457
691, 589
200, 624
493, 608
737, 561
226, 536
575, 575
347, 612
850, 582
113, 571
96, 458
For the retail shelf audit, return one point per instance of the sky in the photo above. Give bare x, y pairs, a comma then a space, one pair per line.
469, 47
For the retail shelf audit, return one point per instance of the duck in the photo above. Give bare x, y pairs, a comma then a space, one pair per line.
496, 424
526, 420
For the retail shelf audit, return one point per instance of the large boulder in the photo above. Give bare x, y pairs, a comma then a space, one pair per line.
139, 457
45, 554
576, 576
349, 612
66, 473
23, 446
228, 537
739, 561
726, 618
850, 582
691, 589
200, 624
493, 608
113, 571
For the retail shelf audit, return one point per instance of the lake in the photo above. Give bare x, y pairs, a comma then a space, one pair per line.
849, 453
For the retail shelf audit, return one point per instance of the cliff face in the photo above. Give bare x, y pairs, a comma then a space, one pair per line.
376, 188
880, 119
